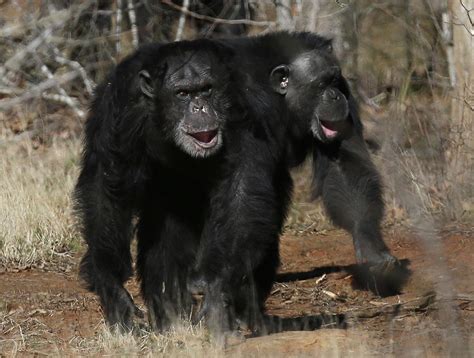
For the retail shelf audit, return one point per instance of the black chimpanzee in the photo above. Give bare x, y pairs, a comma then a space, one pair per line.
172, 141
324, 122
344, 175
200, 152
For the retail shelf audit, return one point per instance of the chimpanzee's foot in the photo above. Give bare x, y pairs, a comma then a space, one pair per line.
384, 276
214, 306
119, 308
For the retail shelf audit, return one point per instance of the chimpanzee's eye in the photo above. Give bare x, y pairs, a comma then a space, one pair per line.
182, 94
206, 91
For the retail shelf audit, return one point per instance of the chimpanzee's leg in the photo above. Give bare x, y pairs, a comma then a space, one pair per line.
351, 191
239, 248
166, 254
106, 217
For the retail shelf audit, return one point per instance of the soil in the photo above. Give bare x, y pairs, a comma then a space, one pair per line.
48, 311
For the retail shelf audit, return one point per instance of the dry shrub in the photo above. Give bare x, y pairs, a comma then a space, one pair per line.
35, 202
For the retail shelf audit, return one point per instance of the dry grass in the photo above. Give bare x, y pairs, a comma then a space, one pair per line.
36, 227
186, 340
305, 215
183, 340
35, 188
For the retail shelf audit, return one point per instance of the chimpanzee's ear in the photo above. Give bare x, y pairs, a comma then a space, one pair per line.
146, 85
328, 46
279, 79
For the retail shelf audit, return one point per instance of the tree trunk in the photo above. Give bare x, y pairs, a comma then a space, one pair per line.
284, 15
461, 142
335, 20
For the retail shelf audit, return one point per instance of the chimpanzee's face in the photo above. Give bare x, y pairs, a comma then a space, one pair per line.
312, 88
192, 101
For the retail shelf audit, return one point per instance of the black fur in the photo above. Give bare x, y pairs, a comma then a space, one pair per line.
343, 174
133, 166
113, 174
211, 224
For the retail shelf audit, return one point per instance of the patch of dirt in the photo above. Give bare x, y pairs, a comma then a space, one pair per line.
49, 312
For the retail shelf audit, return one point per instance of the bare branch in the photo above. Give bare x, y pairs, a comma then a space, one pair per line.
447, 36
52, 20
59, 98
182, 21
218, 20
283, 14
11, 91
468, 12
67, 99
36, 91
469, 29
89, 84
13, 64
118, 26
133, 22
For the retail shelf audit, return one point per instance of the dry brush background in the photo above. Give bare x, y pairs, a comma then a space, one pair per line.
410, 64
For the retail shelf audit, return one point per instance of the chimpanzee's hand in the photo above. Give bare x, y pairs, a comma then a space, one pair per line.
214, 306
119, 308
384, 276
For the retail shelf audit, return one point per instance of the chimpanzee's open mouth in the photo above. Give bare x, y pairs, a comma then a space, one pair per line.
326, 131
329, 129
205, 139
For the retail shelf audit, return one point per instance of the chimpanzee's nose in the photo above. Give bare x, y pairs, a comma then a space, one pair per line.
197, 108
332, 94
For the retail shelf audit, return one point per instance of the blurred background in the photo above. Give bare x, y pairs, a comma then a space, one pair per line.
410, 64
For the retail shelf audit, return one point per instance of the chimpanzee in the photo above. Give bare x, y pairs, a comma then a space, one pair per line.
172, 141
323, 122
343, 173
196, 143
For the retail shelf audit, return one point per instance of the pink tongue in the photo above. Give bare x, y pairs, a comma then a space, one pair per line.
328, 132
204, 137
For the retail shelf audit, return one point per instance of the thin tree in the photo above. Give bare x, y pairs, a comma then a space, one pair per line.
461, 142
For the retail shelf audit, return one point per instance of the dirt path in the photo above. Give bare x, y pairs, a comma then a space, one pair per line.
49, 312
